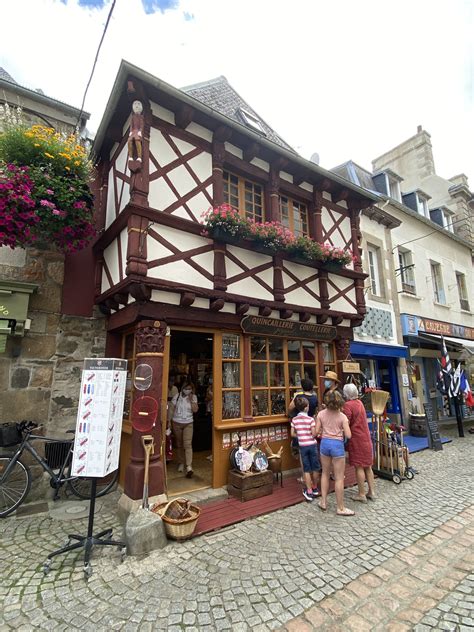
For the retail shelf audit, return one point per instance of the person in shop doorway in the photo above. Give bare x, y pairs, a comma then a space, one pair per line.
183, 407
333, 426
360, 446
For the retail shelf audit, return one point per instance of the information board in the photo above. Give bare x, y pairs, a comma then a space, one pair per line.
434, 438
99, 417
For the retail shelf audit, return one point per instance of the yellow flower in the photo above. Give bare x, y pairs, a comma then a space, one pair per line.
77, 162
67, 168
37, 145
48, 155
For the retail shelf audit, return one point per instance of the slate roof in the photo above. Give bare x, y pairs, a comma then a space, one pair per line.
219, 95
357, 175
6, 76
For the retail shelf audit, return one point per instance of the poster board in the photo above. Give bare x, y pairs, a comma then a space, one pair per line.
434, 439
99, 417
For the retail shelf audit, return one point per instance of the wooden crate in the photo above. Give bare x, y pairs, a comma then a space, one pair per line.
247, 486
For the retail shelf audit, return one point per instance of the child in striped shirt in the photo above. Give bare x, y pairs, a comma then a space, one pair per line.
304, 428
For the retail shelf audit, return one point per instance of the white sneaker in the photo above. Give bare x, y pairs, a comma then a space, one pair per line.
180, 467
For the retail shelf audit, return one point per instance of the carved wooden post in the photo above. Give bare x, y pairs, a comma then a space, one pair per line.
317, 222
150, 341
355, 239
139, 146
136, 247
273, 188
323, 295
278, 288
342, 353
220, 279
218, 154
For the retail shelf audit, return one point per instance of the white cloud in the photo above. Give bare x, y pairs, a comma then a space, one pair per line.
346, 79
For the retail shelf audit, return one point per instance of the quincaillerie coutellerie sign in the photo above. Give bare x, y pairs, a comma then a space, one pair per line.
287, 328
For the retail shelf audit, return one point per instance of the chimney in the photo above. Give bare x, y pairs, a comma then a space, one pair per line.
419, 129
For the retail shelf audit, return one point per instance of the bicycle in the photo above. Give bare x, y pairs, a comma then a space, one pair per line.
16, 477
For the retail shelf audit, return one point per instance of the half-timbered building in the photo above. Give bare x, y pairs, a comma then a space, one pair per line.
251, 322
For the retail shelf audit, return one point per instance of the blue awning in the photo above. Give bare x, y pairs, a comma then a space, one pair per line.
378, 351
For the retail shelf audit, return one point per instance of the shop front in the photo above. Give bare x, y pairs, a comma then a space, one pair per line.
424, 338
243, 380
379, 367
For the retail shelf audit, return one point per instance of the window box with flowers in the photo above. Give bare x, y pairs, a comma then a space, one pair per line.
225, 224
45, 199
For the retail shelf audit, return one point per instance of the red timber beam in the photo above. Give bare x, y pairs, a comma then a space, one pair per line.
220, 137
355, 207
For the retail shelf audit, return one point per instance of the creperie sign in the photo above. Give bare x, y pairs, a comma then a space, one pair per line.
445, 329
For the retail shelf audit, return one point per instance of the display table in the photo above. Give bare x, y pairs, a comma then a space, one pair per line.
249, 485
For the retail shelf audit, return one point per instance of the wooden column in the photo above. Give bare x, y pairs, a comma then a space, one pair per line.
342, 353
317, 221
218, 154
137, 247
278, 293
356, 237
150, 340
220, 278
247, 385
273, 189
323, 296
140, 170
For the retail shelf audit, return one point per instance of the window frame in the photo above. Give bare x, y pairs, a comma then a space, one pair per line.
462, 291
241, 197
291, 202
438, 285
408, 285
373, 263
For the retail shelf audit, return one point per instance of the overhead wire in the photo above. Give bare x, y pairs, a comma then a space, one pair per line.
94, 64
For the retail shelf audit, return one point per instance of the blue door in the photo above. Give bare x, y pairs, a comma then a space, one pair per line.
387, 380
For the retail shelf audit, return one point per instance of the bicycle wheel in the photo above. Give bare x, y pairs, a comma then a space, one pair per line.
81, 487
14, 487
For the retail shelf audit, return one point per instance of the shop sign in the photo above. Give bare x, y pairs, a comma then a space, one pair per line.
286, 328
413, 324
350, 367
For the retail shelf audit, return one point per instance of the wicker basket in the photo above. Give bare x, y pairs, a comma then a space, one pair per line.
178, 528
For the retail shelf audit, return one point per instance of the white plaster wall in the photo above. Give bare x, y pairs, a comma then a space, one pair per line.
341, 304
300, 296
162, 113
112, 260
200, 131
180, 271
453, 257
161, 195
248, 286
286, 176
337, 239
171, 298
117, 188
262, 164
232, 149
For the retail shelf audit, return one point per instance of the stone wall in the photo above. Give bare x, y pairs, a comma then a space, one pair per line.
40, 372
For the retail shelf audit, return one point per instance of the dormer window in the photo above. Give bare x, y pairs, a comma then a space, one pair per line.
251, 121
393, 188
422, 205
448, 220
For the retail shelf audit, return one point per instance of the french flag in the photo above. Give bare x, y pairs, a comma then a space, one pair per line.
465, 388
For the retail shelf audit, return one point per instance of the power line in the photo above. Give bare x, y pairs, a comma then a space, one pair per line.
463, 219
94, 65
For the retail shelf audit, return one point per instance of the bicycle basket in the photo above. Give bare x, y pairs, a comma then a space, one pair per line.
56, 452
9, 435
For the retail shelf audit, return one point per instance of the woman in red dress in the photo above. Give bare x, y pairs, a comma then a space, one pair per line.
360, 445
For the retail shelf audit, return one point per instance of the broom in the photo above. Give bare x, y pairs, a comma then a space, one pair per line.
378, 400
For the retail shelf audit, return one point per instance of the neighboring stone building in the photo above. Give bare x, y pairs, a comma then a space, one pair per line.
39, 109
42, 345
430, 259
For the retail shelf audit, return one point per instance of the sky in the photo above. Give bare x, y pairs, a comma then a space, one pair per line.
344, 78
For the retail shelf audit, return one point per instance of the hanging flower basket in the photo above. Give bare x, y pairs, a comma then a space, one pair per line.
45, 196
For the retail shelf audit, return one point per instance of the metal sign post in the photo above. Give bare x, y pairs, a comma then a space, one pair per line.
97, 443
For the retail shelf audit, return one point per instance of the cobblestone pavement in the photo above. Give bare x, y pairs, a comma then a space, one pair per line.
401, 563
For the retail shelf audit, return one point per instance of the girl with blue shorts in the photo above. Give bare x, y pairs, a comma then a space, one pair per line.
333, 426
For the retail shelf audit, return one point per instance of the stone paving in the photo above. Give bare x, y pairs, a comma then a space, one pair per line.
402, 561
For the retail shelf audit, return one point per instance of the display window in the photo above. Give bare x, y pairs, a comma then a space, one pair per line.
277, 368
231, 376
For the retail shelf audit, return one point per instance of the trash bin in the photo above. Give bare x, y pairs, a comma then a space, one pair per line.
417, 425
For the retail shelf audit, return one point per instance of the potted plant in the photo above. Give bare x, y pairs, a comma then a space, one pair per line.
45, 197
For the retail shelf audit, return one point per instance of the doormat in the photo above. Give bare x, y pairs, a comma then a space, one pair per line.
417, 444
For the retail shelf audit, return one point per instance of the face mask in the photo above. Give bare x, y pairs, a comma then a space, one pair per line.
187, 391
327, 383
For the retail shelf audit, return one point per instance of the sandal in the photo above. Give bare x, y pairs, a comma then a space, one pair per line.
322, 507
359, 499
345, 512
371, 497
